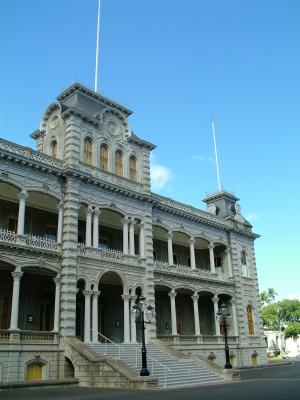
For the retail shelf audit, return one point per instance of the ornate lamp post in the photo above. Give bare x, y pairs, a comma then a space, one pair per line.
224, 318
140, 310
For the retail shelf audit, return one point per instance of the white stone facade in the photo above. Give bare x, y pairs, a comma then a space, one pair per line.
82, 235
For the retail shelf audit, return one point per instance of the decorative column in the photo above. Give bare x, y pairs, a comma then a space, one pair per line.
234, 318
142, 240
125, 235
56, 306
131, 237
23, 195
215, 300
172, 296
195, 298
88, 227
87, 315
192, 253
15, 300
97, 212
212, 258
170, 248
60, 207
133, 323
126, 298
96, 294
228, 258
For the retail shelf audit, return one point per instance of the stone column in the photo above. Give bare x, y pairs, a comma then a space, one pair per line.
195, 298
60, 207
212, 258
133, 323
97, 212
172, 296
96, 294
131, 237
192, 253
88, 226
57, 304
15, 300
142, 240
87, 315
23, 195
228, 258
126, 298
170, 248
125, 235
215, 300
234, 318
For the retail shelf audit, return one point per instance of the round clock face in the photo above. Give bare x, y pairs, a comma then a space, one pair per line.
212, 209
54, 121
113, 128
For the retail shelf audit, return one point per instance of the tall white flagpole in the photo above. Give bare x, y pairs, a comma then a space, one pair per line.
216, 153
97, 47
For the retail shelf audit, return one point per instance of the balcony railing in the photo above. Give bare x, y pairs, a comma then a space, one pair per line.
105, 253
40, 242
200, 339
27, 336
163, 266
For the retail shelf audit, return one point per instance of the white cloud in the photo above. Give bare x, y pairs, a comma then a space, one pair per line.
294, 296
160, 176
252, 217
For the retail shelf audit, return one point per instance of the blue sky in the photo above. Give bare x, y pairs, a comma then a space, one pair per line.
175, 64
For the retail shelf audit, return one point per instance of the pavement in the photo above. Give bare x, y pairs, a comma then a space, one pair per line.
282, 382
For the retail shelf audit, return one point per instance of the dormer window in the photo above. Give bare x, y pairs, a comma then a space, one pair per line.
53, 149
104, 157
245, 271
133, 168
119, 163
88, 150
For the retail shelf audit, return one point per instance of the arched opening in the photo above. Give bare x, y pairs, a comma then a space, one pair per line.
104, 157
160, 246
88, 151
220, 259
53, 149
254, 357
133, 168
110, 308
9, 208
34, 371
80, 309
244, 263
202, 253
69, 370
184, 312
6, 288
163, 310
119, 168
250, 320
206, 313
225, 298
181, 249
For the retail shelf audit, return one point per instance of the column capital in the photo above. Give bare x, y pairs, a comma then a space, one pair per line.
227, 250
126, 297
17, 275
170, 235
56, 281
195, 297
211, 245
96, 293
60, 205
215, 299
87, 293
132, 221
125, 220
141, 225
97, 211
172, 295
23, 195
192, 240
232, 301
89, 210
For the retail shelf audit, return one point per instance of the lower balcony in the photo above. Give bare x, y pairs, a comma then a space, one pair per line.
27, 337
185, 270
196, 339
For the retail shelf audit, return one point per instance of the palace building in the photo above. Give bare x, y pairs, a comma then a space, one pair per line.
82, 237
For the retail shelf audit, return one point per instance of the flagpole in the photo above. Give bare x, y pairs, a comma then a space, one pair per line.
216, 153
97, 47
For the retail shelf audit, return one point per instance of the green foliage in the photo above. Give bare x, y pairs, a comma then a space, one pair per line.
284, 316
267, 296
292, 330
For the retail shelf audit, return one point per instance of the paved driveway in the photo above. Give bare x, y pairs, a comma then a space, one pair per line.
274, 383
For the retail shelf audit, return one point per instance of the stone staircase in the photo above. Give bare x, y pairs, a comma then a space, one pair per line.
170, 371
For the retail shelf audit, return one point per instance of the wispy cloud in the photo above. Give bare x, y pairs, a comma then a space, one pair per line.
294, 296
160, 175
203, 158
252, 217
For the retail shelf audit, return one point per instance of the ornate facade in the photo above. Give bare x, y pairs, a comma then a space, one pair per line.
82, 235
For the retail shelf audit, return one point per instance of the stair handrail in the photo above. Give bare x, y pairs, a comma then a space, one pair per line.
152, 366
106, 339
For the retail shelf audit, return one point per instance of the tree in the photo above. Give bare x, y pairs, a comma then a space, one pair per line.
292, 330
267, 296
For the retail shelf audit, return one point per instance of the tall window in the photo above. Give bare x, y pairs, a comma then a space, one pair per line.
133, 168
119, 163
244, 263
88, 150
53, 149
104, 157
250, 320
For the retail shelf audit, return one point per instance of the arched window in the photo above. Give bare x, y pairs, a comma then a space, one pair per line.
88, 150
34, 372
53, 149
104, 157
244, 263
250, 320
119, 163
133, 168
